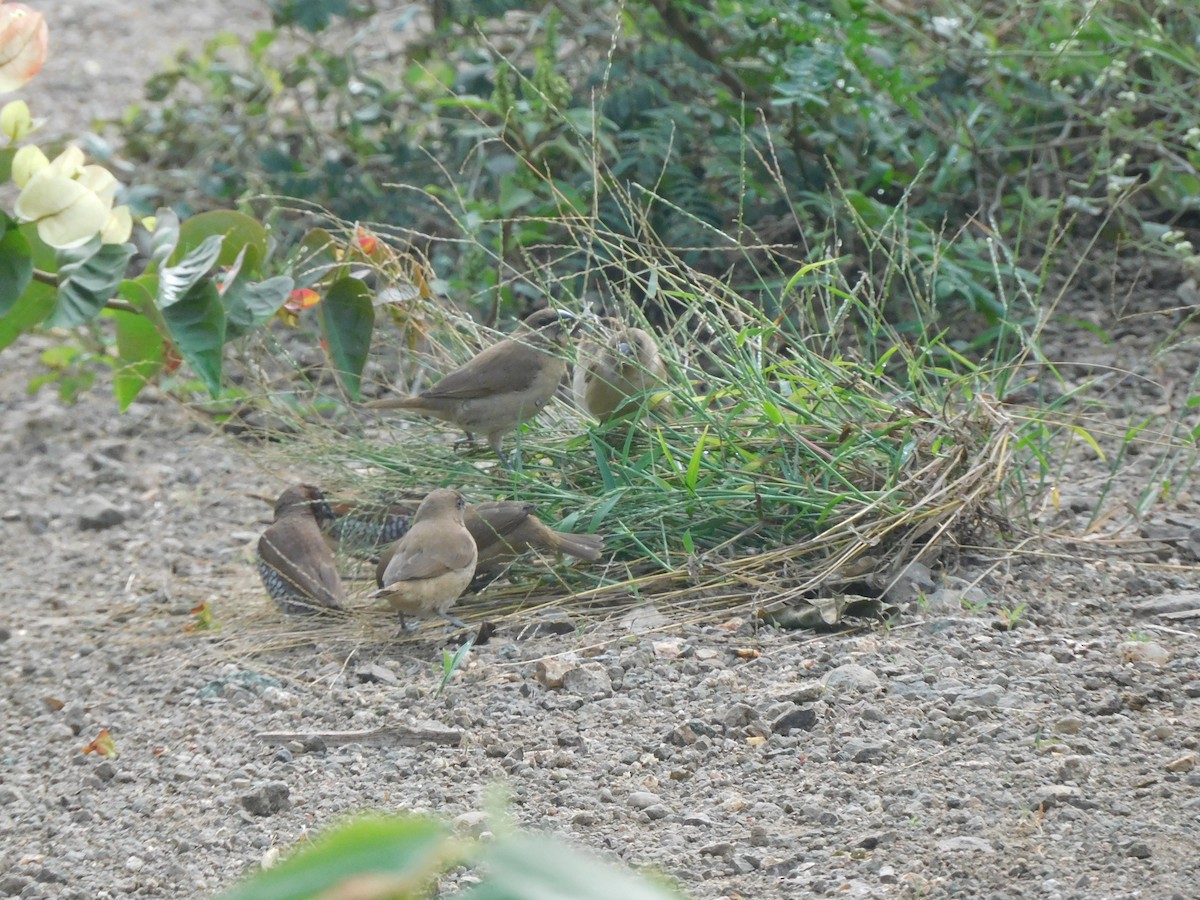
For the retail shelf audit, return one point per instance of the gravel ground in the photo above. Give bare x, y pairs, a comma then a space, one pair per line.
947, 756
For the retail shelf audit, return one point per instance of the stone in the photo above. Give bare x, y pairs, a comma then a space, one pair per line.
1149, 653
266, 799
643, 799
97, 513
1184, 763
551, 672
590, 681
860, 751
373, 673
850, 678
965, 843
739, 716
802, 718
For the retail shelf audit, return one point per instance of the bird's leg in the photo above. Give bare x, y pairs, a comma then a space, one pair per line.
454, 620
468, 441
406, 627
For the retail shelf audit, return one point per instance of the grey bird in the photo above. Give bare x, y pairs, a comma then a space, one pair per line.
502, 386
432, 564
294, 561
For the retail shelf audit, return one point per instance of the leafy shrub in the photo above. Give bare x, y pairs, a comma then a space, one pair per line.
984, 130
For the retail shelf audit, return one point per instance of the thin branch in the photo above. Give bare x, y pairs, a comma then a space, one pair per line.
43, 277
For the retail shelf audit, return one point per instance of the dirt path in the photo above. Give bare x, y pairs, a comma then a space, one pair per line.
947, 757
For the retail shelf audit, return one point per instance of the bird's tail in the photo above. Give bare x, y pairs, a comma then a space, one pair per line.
581, 546
397, 403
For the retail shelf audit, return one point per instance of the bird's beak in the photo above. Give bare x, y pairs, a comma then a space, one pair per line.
569, 321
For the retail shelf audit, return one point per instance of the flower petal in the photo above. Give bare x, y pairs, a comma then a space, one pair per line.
119, 226
100, 180
15, 120
75, 225
69, 163
23, 37
26, 161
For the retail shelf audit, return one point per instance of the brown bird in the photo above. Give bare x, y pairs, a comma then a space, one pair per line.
502, 386
610, 373
505, 529
295, 563
433, 563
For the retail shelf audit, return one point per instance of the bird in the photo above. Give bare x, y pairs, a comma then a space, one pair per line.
505, 529
361, 527
432, 564
294, 561
610, 373
503, 385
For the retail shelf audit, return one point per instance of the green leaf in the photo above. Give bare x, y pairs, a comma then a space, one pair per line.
316, 257
347, 316
197, 325
139, 354
693, 470
140, 293
249, 305
534, 866
35, 304
16, 267
88, 277
398, 854
238, 232
177, 281
6, 158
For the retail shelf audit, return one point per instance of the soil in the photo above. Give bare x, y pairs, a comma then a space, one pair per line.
1040, 739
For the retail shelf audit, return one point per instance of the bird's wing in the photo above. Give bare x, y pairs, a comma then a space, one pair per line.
429, 558
334, 593
505, 367
495, 518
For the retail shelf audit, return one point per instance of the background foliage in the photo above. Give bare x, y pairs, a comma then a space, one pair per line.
968, 137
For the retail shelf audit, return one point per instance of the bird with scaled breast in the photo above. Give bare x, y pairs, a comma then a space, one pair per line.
433, 563
294, 561
504, 530
612, 371
503, 385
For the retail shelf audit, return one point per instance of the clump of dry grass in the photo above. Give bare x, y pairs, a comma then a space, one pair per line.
794, 456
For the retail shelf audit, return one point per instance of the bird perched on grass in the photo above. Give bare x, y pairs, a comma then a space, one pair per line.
434, 562
502, 386
295, 563
612, 372
505, 529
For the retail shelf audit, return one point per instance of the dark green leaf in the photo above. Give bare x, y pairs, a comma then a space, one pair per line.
139, 350
16, 268
247, 306
88, 277
6, 158
197, 325
347, 316
177, 281
239, 232
397, 853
